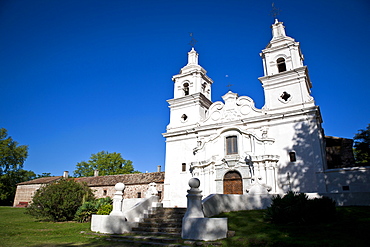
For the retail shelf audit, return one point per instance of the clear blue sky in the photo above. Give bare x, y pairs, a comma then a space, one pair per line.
81, 76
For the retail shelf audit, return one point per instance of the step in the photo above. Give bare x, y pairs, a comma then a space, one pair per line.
157, 229
168, 212
165, 217
164, 234
165, 220
160, 224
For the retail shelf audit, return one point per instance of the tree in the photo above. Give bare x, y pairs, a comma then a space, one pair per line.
59, 201
106, 163
8, 184
362, 146
12, 157
44, 174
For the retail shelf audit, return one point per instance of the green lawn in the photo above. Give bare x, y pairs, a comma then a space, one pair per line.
20, 229
351, 229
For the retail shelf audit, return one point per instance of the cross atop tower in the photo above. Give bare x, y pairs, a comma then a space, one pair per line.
192, 41
274, 11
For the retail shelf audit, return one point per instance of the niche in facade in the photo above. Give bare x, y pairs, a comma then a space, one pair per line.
292, 157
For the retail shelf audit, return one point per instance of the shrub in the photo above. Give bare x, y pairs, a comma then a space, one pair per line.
105, 210
296, 208
89, 208
84, 212
59, 201
322, 210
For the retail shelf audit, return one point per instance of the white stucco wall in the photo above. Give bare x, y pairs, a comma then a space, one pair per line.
348, 180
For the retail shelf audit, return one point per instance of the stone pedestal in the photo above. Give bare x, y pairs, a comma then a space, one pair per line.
194, 208
117, 200
194, 225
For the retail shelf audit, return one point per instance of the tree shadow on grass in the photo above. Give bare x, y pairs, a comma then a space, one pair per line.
350, 229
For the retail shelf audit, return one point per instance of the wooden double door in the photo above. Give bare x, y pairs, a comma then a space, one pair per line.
233, 183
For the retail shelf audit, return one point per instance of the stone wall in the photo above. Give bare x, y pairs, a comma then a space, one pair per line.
26, 190
24, 194
102, 186
130, 191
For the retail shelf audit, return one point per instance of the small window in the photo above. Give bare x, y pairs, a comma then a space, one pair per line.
292, 157
281, 64
186, 89
231, 145
160, 195
138, 194
345, 188
183, 167
285, 96
184, 117
104, 192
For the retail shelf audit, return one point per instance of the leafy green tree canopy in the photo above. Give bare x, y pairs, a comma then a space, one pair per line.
44, 174
8, 184
12, 155
362, 146
106, 163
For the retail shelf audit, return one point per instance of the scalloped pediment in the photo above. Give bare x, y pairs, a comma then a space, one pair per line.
234, 108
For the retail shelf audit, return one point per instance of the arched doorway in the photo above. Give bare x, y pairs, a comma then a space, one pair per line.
233, 183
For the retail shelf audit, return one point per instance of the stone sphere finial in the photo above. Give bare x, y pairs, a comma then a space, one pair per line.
119, 186
194, 183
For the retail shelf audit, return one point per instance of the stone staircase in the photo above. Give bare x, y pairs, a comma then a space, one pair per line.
162, 221
160, 227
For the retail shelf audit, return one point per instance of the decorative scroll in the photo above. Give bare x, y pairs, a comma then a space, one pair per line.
234, 108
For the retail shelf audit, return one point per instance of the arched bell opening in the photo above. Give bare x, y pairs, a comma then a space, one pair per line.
281, 64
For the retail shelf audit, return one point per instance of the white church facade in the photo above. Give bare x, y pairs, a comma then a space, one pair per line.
234, 148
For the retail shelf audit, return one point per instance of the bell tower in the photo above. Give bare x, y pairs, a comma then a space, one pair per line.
286, 81
192, 94
192, 99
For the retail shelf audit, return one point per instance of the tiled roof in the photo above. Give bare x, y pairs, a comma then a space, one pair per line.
44, 180
127, 179
136, 178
